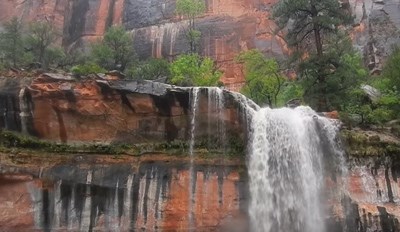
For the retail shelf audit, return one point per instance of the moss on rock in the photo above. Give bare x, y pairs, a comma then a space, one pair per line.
370, 143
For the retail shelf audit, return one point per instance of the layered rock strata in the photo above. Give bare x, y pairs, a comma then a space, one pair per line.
60, 108
227, 27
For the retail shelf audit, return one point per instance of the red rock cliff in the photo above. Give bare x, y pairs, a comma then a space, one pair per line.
60, 108
227, 27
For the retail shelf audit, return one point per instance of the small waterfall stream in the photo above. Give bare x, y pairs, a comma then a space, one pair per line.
194, 99
215, 108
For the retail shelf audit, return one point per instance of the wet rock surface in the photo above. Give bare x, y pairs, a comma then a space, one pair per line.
152, 193
148, 196
59, 108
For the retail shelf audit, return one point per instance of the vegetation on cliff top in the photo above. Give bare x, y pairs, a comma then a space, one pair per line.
13, 142
330, 73
323, 69
370, 143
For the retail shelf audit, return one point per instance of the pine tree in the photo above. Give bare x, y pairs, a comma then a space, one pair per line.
312, 21
12, 42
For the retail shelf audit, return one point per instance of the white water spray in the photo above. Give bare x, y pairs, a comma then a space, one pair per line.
285, 169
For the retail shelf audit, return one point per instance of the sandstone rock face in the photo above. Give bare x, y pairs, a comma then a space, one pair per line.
376, 29
119, 197
16, 210
152, 193
59, 108
227, 27
372, 203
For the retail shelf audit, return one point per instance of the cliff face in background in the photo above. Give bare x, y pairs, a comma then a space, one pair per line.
227, 27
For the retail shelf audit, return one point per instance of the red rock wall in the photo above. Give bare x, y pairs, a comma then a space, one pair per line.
72, 111
155, 197
84, 20
228, 27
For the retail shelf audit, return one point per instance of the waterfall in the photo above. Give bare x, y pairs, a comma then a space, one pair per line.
127, 210
57, 206
285, 169
24, 111
216, 105
160, 34
194, 101
86, 212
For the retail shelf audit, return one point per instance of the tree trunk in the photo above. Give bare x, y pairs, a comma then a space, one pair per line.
322, 101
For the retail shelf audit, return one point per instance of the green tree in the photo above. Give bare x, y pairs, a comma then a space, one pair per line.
115, 50
312, 20
342, 69
11, 42
192, 69
263, 79
391, 70
42, 35
191, 9
86, 69
153, 69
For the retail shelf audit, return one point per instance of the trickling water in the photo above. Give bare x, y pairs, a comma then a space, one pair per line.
285, 169
127, 211
57, 206
194, 100
24, 111
159, 34
216, 103
85, 217
72, 219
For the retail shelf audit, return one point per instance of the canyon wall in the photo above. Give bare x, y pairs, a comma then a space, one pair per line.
152, 193
124, 196
59, 108
227, 27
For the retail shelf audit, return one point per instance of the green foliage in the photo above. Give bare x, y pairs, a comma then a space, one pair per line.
152, 69
115, 50
309, 20
194, 70
42, 35
10, 139
71, 58
387, 108
391, 69
55, 56
291, 89
191, 9
263, 80
376, 113
316, 21
11, 43
193, 36
86, 69
342, 70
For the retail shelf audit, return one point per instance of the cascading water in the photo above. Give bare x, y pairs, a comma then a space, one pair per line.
24, 111
194, 99
216, 106
285, 169
87, 204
